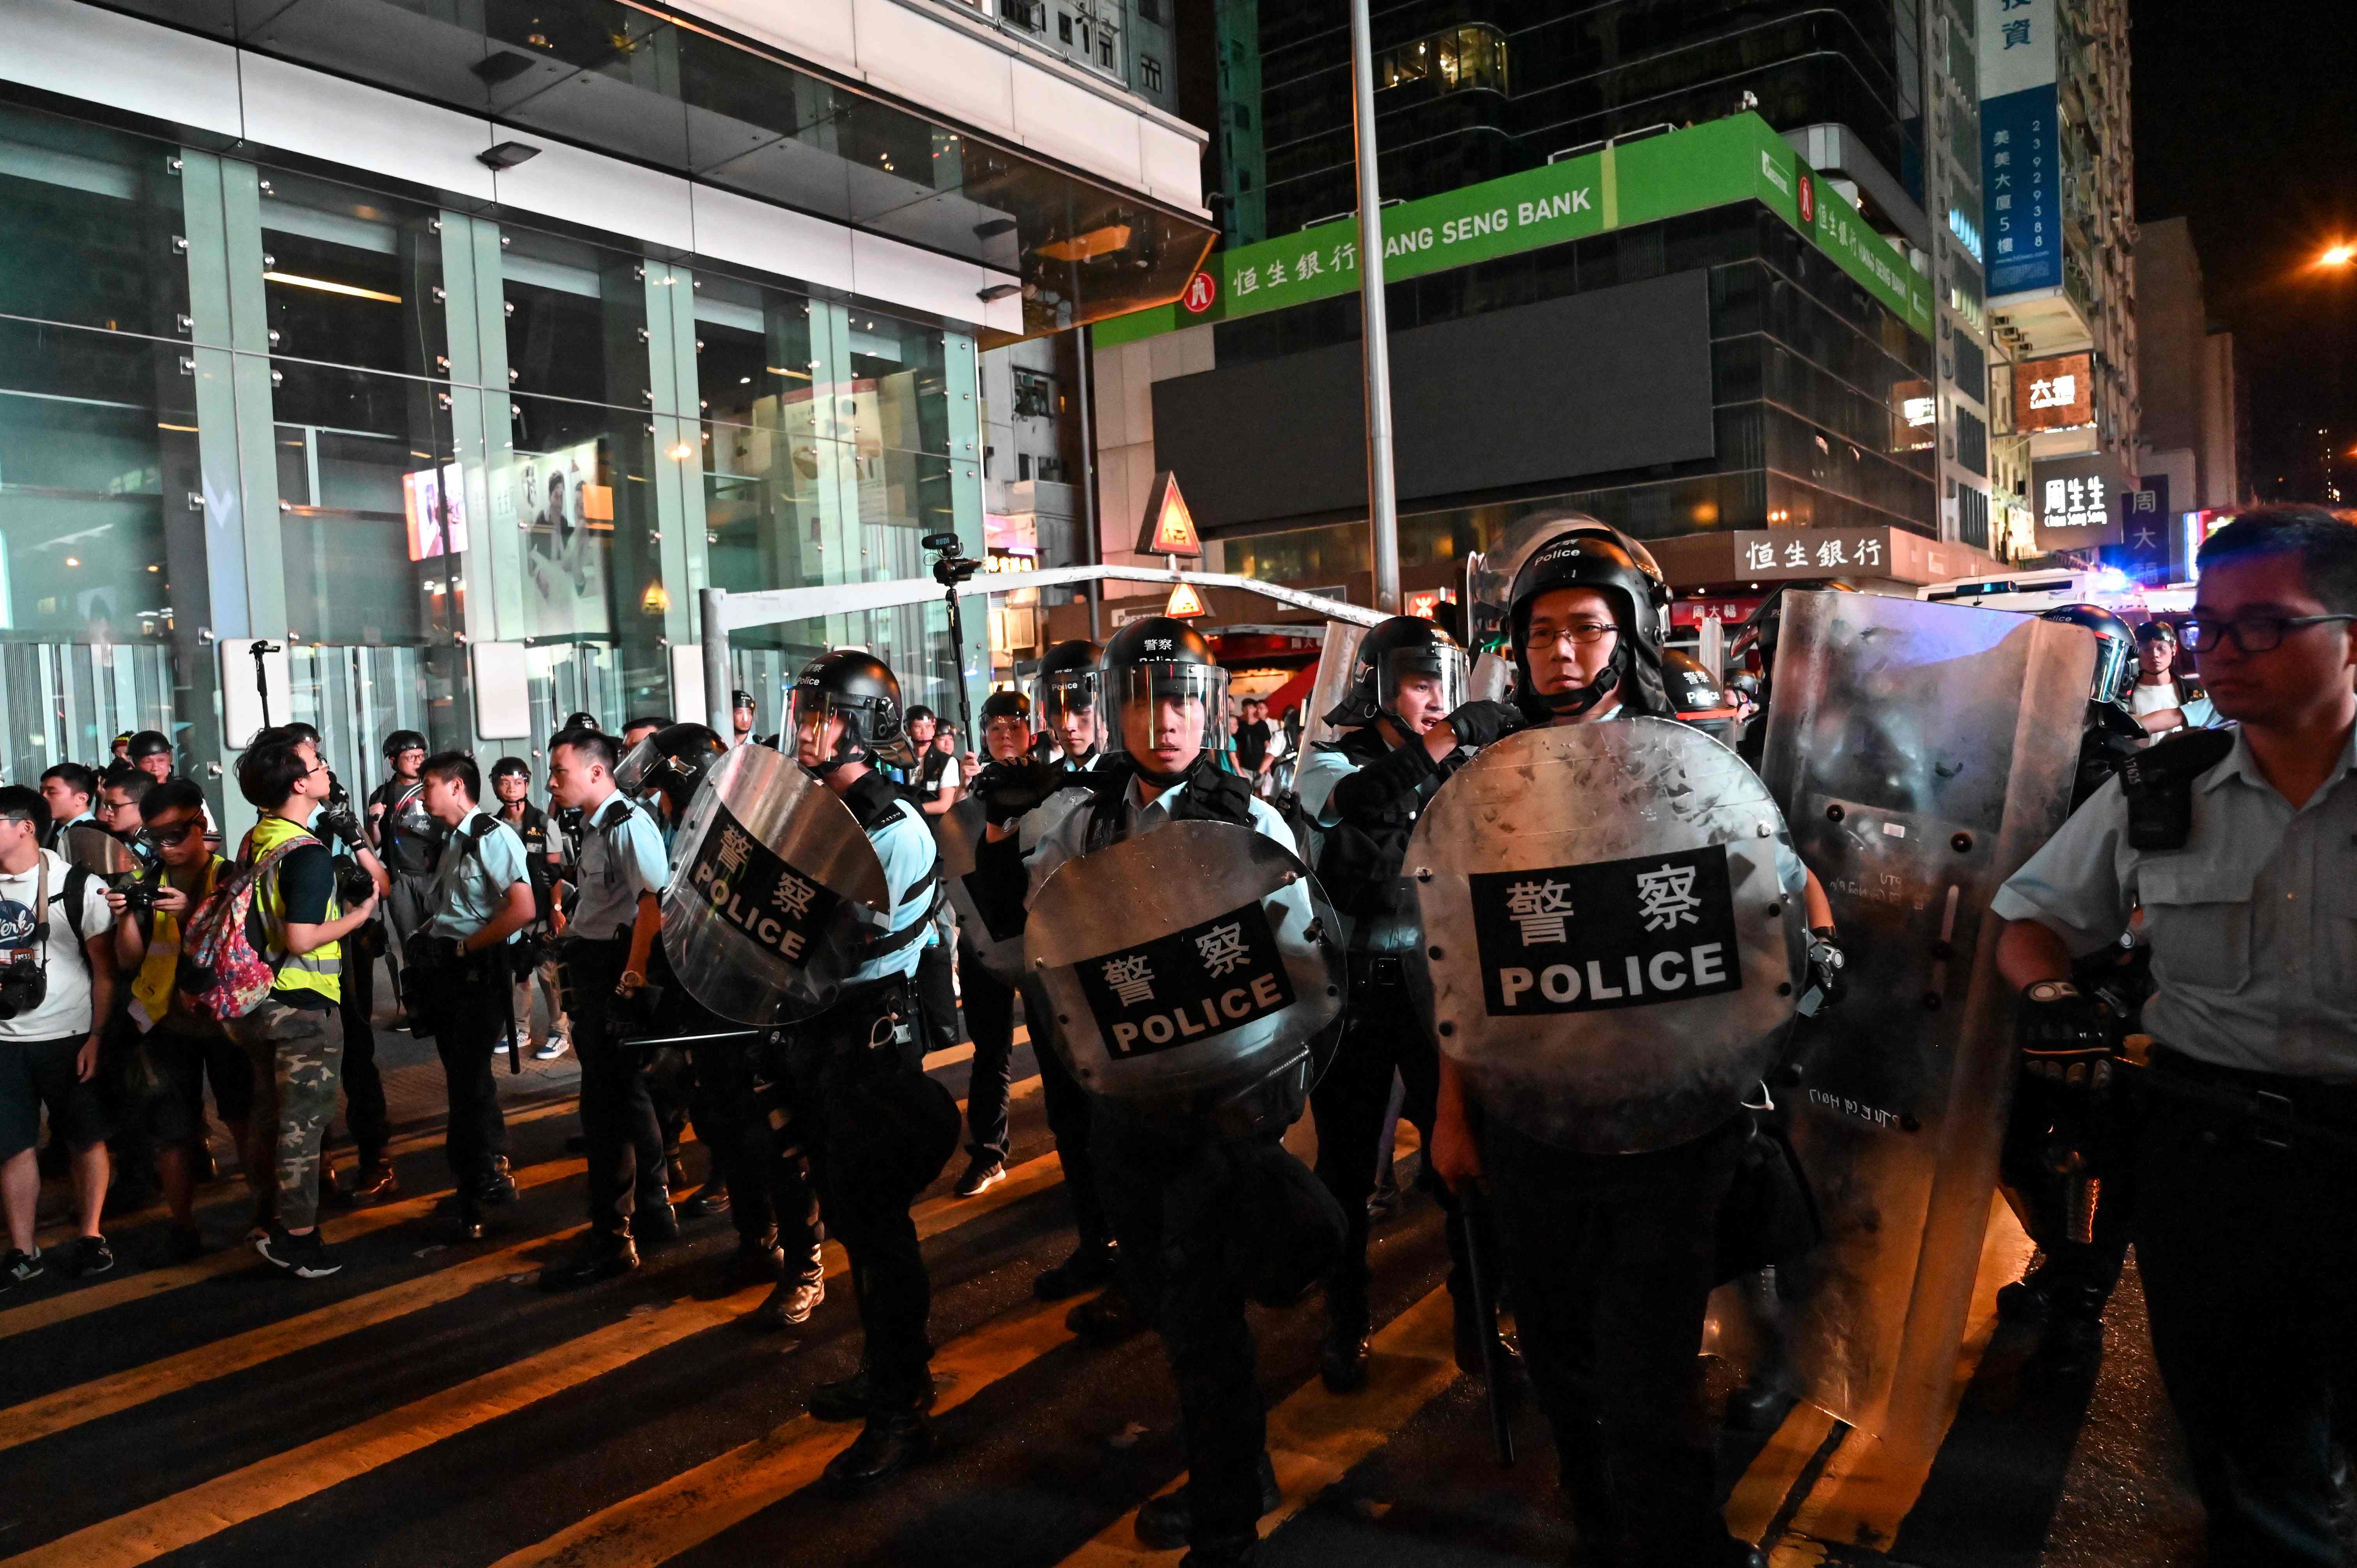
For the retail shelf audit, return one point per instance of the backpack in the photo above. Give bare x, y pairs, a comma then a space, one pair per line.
221, 976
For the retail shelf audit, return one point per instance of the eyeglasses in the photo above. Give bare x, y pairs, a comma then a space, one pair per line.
2252, 634
1584, 632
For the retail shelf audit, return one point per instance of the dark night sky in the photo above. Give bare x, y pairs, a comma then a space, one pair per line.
2246, 125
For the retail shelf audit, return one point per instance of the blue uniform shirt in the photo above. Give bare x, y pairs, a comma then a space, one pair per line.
1069, 837
471, 880
905, 845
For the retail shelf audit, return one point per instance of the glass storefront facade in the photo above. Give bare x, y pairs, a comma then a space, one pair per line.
242, 400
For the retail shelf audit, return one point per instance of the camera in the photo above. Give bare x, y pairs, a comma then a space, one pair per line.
24, 986
140, 887
954, 566
336, 814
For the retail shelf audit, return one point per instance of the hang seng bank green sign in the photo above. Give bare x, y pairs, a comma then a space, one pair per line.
1716, 164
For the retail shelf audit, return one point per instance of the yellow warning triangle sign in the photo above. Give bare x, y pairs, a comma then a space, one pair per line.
1168, 527
1185, 602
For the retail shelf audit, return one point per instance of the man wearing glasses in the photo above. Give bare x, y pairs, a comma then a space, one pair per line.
2236, 846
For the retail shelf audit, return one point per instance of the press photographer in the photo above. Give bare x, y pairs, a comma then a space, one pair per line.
181, 1051
51, 1003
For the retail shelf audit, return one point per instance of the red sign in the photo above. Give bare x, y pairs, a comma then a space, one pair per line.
1427, 602
1808, 200
1201, 290
1730, 611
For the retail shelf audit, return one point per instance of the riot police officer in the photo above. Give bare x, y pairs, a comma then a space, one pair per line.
2109, 734
2235, 846
990, 1000
408, 840
603, 959
1403, 722
876, 1130
1064, 697
1173, 1187
1611, 1254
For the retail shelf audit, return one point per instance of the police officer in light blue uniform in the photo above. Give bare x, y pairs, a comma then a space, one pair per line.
2236, 846
481, 899
876, 1129
603, 957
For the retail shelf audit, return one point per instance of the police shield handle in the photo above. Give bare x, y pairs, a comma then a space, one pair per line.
1614, 926
1198, 959
773, 884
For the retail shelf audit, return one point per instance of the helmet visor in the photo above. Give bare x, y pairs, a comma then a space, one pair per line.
634, 775
1164, 714
1420, 686
1053, 696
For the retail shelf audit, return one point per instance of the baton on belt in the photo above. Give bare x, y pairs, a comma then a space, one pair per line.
1470, 1212
515, 1058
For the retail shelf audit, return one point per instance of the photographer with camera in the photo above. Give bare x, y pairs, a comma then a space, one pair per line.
52, 1002
409, 841
182, 1049
545, 856
463, 966
358, 873
294, 1034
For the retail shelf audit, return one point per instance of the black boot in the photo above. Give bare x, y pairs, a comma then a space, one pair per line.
710, 1199
887, 1445
599, 1257
1090, 1265
1106, 1319
851, 1399
1469, 1343
1163, 1522
789, 1305
1342, 1360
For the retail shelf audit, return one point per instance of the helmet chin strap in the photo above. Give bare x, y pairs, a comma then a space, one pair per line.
1579, 699
1159, 780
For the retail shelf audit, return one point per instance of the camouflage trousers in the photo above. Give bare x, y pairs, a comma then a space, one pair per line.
298, 1063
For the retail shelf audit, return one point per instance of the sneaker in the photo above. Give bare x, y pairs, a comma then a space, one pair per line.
549, 1049
185, 1243
21, 1268
87, 1255
306, 1257
980, 1175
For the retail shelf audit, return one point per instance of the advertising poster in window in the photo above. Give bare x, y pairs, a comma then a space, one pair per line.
564, 504
422, 494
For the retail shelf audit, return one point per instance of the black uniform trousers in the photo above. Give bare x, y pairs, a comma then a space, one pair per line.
618, 1119
937, 989
1383, 1034
990, 1019
746, 1118
1071, 1122
474, 1024
1613, 1260
877, 1131
2249, 1264
364, 1109
1172, 1263
2039, 1197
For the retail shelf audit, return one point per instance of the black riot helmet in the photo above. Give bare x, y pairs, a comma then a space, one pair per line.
1624, 571
1390, 653
1152, 662
2115, 648
1695, 693
670, 764
1067, 678
148, 743
402, 740
1007, 704
861, 690
580, 721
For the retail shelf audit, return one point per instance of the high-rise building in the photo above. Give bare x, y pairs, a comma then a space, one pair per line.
1696, 268
2190, 428
456, 348
2058, 163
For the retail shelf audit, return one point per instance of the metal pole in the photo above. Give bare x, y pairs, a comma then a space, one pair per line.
1092, 551
1382, 505
717, 686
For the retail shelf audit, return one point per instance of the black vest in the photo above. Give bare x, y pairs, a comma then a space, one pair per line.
1359, 865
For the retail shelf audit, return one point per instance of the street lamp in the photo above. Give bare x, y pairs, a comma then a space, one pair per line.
2338, 256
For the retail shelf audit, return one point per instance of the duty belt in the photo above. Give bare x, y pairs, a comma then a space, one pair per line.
2275, 1110
1378, 970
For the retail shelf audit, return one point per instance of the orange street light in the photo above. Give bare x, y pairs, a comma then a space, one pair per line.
2338, 256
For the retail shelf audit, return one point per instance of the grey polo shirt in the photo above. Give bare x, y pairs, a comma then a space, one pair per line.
621, 856
471, 880
2253, 924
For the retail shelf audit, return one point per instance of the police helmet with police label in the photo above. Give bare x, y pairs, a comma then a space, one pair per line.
861, 690
2115, 648
1624, 571
1067, 678
1392, 652
1159, 659
673, 761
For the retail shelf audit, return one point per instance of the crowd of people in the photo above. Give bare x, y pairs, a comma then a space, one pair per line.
146, 968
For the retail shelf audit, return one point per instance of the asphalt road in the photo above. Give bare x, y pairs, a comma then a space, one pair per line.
430, 1407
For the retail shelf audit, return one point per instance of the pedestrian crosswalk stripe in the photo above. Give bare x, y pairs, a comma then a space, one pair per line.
1315, 1437
66, 1306
208, 1509
666, 1520
68, 1408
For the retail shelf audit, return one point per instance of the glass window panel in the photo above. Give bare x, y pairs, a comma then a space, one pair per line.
350, 277
900, 390
576, 320
88, 221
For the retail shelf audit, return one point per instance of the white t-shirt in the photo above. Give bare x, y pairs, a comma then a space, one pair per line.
65, 1011
2145, 699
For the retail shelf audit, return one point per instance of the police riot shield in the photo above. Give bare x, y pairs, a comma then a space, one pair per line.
1922, 752
1187, 964
1613, 925
989, 912
773, 888
1338, 659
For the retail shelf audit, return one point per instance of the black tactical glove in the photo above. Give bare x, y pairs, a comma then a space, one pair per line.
1478, 724
340, 820
2065, 1034
1010, 790
1827, 986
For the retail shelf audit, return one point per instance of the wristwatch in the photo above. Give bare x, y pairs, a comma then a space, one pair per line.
2050, 990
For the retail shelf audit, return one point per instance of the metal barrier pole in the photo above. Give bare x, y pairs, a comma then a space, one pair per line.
1382, 503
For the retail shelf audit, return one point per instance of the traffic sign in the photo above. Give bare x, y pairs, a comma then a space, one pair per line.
1168, 527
